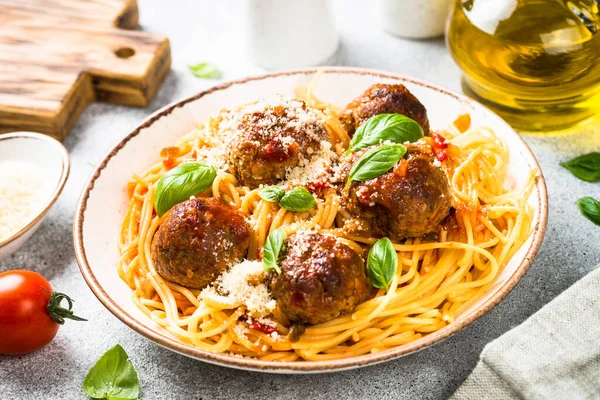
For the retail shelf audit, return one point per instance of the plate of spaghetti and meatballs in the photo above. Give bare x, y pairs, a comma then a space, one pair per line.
311, 220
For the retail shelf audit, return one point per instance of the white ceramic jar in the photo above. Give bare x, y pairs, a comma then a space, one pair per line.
418, 19
290, 33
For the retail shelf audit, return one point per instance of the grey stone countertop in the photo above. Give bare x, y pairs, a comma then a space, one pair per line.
210, 31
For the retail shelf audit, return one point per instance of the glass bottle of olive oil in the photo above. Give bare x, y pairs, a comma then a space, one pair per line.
534, 62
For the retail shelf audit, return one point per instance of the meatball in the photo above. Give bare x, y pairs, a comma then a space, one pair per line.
321, 278
198, 240
271, 138
410, 200
384, 99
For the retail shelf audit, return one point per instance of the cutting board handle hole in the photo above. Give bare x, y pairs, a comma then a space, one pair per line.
124, 52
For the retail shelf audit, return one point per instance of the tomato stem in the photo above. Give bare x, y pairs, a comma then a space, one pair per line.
58, 313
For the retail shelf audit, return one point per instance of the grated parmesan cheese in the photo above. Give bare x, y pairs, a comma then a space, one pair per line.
317, 169
290, 114
265, 321
243, 283
20, 195
240, 329
213, 139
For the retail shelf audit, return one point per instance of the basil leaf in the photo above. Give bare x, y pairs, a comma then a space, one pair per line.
382, 263
298, 199
585, 167
112, 377
376, 162
590, 208
271, 193
205, 70
272, 250
396, 128
180, 183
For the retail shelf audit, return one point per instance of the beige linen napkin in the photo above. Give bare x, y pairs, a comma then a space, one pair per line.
555, 354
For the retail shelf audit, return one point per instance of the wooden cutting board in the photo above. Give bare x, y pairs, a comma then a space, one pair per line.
57, 56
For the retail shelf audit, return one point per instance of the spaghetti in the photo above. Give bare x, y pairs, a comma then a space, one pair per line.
434, 283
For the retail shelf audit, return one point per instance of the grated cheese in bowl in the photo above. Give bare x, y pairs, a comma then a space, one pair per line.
20, 195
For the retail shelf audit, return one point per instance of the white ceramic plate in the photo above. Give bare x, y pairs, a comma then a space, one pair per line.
52, 159
104, 201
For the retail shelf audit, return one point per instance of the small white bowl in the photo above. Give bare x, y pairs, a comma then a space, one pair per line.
52, 159
416, 19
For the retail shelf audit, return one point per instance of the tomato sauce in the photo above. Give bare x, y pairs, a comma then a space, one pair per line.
259, 326
440, 146
169, 156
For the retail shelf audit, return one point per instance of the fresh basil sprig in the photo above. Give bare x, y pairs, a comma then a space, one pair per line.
585, 167
112, 377
205, 70
271, 193
297, 199
272, 249
376, 162
396, 128
590, 208
181, 182
382, 263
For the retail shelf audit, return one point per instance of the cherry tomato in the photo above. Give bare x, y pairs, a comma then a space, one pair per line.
30, 312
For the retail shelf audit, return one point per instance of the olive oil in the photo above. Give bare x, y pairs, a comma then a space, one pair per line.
535, 62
